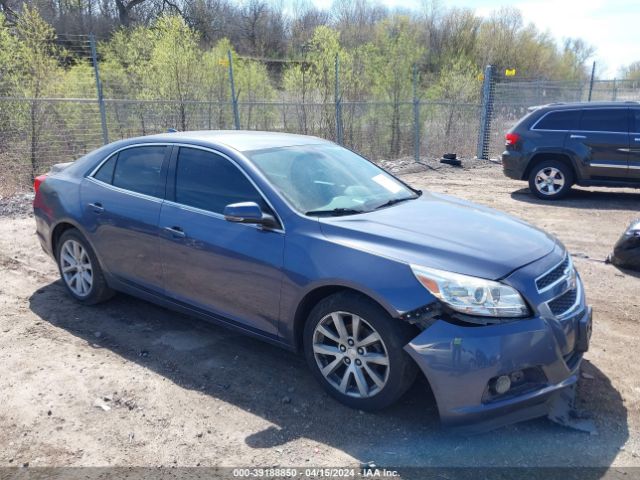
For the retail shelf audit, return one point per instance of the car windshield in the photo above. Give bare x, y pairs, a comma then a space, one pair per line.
329, 180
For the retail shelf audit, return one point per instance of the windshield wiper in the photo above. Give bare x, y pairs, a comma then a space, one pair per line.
336, 212
393, 201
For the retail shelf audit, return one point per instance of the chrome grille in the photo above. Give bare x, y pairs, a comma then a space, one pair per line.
564, 302
553, 276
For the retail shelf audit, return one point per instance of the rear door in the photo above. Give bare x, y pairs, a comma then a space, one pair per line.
602, 142
634, 145
121, 203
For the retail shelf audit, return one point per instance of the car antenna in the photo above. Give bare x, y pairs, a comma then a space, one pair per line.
171, 130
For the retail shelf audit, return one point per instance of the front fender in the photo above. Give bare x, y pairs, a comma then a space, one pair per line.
312, 261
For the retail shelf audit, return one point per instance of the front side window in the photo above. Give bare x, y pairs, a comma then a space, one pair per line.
210, 182
560, 120
605, 120
329, 179
139, 169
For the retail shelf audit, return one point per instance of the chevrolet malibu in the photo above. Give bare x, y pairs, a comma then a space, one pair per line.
305, 244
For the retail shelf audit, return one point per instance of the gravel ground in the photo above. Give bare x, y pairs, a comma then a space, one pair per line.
128, 383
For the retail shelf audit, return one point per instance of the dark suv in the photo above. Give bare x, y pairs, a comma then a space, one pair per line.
589, 144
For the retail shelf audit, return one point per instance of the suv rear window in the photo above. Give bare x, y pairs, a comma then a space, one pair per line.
605, 120
559, 120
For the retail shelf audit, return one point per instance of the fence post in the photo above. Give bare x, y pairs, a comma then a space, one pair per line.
416, 116
338, 101
96, 70
615, 90
486, 114
234, 99
593, 72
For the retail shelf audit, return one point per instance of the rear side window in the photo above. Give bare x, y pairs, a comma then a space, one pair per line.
635, 119
105, 173
560, 120
605, 120
139, 169
210, 182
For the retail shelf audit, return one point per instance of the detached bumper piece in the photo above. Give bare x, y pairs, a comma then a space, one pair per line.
485, 377
626, 252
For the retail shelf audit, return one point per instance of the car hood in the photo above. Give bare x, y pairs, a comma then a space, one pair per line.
443, 232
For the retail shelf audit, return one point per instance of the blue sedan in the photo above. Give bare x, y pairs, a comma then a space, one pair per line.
305, 244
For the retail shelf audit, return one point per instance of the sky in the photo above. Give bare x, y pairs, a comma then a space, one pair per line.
611, 26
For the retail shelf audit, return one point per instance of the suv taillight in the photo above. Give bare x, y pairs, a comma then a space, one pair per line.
38, 181
511, 138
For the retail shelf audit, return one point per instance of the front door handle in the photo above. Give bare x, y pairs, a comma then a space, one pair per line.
637, 139
177, 232
97, 207
577, 136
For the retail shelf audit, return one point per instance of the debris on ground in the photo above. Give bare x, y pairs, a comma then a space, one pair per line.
100, 403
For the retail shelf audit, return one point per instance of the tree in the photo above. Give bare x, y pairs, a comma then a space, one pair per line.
631, 71
393, 56
125, 9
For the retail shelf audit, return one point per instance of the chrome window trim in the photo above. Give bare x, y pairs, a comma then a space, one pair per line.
217, 216
126, 147
533, 127
91, 177
125, 191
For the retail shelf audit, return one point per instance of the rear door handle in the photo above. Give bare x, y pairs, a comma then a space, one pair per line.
637, 139
577, 136
177, 232
97, 207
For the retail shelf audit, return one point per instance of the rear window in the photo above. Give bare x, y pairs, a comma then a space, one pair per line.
105, 173
605, 120
560, 120
139, 169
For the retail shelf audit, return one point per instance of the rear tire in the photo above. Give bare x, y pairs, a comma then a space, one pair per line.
80, 270
355, 350
551, 180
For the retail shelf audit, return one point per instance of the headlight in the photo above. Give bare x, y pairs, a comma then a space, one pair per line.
472, 295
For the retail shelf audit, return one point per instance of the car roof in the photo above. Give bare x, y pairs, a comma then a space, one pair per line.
574, 105
240, 140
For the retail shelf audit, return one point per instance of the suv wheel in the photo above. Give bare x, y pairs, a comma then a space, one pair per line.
355, 349
550, 180
80, 270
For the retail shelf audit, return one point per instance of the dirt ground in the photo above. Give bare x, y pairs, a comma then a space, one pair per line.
128, 383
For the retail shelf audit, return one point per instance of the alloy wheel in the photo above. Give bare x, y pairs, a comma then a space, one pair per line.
351, 354
549, 181
76, 268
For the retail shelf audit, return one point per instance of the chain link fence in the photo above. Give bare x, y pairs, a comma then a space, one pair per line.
36, 133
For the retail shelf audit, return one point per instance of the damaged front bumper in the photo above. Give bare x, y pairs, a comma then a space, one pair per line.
541, 356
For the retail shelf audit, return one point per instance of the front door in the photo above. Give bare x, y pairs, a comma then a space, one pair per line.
603, 139
230, 269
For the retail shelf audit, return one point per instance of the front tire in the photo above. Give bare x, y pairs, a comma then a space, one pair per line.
550, 180
80, 270
355, 350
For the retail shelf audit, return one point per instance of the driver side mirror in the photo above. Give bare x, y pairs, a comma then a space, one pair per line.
249, 212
